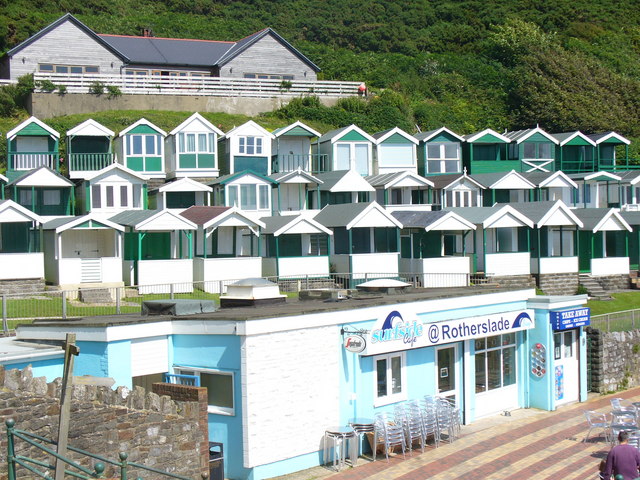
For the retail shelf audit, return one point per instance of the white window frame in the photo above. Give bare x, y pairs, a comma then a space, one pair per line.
442, 157
243, 145
390, 397
352, 156
210, 142
157, 145
502, 347
216, 409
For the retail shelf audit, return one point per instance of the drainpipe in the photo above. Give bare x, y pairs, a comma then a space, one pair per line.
484, 250
539, 253
277, 242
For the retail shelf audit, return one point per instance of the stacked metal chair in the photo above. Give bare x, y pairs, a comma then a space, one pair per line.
389, 433
448, 419
430, 420
410, 416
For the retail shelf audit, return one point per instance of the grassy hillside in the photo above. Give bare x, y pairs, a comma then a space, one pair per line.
467, 64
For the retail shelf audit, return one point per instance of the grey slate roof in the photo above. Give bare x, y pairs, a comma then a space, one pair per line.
201, 215
382, 179
278, 177
340, 215
517, 134
632, 218
381, 134
414, 219
532, 210
475, 215
57, 222
426, 135
590, 216
131, 218
488, 179
537, 177
168, 51
276, 222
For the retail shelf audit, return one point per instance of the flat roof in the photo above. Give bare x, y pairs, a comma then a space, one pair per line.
292, 307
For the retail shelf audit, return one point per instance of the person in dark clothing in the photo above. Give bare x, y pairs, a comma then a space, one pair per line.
623, 459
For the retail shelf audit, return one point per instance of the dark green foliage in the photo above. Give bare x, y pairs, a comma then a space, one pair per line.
113, 91
96, 88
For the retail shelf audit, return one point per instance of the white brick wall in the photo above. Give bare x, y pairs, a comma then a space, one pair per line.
290, 392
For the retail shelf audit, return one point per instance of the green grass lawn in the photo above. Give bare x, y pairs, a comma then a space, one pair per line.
621, 301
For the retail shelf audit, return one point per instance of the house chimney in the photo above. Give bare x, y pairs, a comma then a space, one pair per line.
147, 32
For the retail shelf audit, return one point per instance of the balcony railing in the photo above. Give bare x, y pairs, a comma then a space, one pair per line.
290, 163
30, 160
84, 162
209, 86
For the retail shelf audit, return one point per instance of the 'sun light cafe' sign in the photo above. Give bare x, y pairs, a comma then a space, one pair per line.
394, 333
570, 318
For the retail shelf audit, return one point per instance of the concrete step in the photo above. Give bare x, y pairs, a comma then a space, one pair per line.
22, 286
95, 295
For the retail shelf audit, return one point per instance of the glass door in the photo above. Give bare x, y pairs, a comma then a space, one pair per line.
446, 372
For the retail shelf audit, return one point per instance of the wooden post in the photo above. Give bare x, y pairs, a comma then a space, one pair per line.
70, 350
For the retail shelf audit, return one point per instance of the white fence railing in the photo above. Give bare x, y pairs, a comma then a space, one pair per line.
208, 86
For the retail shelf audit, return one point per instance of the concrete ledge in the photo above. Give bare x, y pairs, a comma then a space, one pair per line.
47, 105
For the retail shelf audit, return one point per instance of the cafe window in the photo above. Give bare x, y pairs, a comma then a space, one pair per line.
495, 362
390, 378
220, 390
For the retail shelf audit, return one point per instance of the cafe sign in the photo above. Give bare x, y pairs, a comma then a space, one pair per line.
402, 331
355, 343
570, 318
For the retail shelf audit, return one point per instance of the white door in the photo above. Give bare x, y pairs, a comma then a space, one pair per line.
566, 367
447, 378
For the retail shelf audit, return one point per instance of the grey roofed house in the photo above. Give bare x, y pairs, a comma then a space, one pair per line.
69, 46
597, 218
489, 179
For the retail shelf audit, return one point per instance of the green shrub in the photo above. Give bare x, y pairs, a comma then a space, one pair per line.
62, 89
96, 88
113, 91
286, 85
46, 85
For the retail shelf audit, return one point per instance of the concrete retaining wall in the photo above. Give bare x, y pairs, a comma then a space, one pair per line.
558, 283
47, 105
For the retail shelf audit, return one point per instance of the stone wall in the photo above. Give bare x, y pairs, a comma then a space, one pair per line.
614, 359
614, 282
558, 283
153, 430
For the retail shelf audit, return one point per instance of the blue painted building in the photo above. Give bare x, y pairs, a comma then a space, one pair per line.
279, 375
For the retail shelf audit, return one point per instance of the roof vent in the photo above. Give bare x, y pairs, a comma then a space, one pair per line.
251, 292
384, 285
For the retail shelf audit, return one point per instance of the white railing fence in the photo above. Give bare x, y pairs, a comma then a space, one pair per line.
25, 307
208, 86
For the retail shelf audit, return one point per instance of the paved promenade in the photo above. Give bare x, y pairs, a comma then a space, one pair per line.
531, 445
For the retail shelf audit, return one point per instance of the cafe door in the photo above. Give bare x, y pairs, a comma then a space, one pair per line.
566, 366
447, 378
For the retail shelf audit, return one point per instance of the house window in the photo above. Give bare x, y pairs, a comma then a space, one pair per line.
220, 389
390, 378
144, 145
250, 145
268, 76
51, 197
248, 197
263, 197
75, 69
318, 244
196, 142
124, 195
96, 200
537, 150
495, 362
443, 157
352, 156
25, 197
109, 191
461, 198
